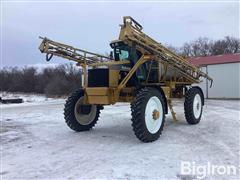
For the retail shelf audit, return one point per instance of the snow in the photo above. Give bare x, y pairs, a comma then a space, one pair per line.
28, 99
37, 144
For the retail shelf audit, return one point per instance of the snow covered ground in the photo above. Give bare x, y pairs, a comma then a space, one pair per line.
37, 144
26, 97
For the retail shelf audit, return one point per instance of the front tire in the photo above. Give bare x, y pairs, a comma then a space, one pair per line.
148, 114
75, 117
193, 106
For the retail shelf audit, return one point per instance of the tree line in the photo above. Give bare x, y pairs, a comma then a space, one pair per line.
204, 46
57, 81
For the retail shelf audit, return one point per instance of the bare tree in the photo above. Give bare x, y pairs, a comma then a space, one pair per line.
205, 47
60, 80
228, 45
186, 50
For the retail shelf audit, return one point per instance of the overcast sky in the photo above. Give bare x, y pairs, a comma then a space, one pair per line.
92, 26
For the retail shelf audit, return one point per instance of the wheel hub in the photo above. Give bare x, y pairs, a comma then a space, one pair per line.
80, 115
197, 106
155, 114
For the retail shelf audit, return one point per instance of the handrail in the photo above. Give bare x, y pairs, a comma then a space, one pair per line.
133, 22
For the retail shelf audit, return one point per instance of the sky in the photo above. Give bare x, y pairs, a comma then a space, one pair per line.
92, 25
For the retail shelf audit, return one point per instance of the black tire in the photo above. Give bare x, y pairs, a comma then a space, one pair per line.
138, 107
189, 106
69, 114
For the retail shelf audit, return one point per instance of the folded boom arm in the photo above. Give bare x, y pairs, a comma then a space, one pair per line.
68, 52
131, 32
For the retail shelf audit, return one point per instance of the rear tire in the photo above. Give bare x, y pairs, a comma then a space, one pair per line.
193, 106
148, 114
74, 118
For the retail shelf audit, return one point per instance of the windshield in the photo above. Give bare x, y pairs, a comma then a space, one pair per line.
121, 53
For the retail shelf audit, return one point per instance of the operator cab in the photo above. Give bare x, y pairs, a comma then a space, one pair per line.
121, 51
124, 52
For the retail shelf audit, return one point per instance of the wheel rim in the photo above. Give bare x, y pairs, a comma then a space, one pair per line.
84, 119
153, 114
197, 106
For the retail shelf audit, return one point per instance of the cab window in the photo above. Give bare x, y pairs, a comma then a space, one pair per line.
121, 54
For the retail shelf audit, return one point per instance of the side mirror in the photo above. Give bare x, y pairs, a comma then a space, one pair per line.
111, 55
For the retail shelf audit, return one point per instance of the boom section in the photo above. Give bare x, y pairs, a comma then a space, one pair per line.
131, 32
82, 57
